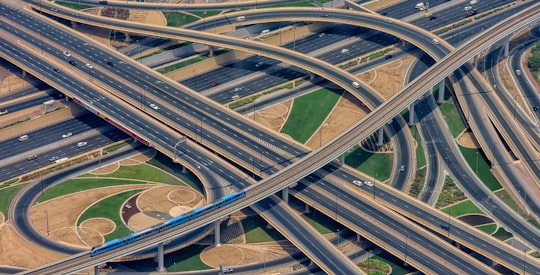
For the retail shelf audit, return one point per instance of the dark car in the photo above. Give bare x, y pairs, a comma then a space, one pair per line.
72, 62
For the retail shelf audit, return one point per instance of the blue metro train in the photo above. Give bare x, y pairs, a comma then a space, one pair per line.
133, 237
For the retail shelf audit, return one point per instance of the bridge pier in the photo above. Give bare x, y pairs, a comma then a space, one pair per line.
506, 46
161, 266
380, 135
411, 113
441, 91
341, 158
475, 61
96, 270
210, 51
311, 76
217, 233
128, 37
285, 194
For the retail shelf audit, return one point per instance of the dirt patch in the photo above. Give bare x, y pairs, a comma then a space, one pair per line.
274, 116
157, 199
18, 252
89, 237
102, 226
139, 158
467, 140
387, 79
229, 255
148, 17
104, 170
141, 221
377, 5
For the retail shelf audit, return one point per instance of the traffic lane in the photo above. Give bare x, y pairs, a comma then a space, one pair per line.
329, 255
405, 8
346, 213
358, 203
50, 134
45, 159
530, 93
500, 154
421, 213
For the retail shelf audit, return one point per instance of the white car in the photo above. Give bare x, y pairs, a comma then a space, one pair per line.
66, 54
154, 106
344, 50
435, 41
227, 270
368, 183
89, 66
388, 21
357, 182
82, 143
66, 135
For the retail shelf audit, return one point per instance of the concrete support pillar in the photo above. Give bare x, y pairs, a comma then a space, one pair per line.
285, 194
411, 113
184, 170
358, 238
23, 74
342, 159
217, 233
128, 37
96, 270
311, 76
441, 92
161, 266
506, 46
380, 135
476, 61
210, 51
307, 210
74, 25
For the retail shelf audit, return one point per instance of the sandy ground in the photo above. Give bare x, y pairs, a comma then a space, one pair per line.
467, 140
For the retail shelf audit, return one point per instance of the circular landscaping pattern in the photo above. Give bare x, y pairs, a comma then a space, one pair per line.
101, 226
182, 195
90, 237
225, 255
475, 219
104, 170
179, 210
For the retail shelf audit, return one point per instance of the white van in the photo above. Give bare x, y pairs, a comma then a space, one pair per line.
356, 84
265, 31
240, 18
23, 138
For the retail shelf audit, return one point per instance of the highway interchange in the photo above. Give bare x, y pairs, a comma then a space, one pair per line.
204, 138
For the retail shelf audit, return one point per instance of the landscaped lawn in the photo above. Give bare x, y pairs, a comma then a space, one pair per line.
462, 208
185, 259
256, 231
110, 208
308, 112
6, 195
81, 184
481, 167
378, 166
144, 172
488, 228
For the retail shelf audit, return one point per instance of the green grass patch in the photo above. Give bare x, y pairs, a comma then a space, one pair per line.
378, 166
177, 19
502, 234
307, 3
488, 228
505, 197
534, 222
374, 266
73, 6
114, 147
321, 222
452, 117
182, 64
420, 156
481, 167
14, 123
308, 112
250, 99
144, 172
395, 263
80, 184
6, 195
256, 231
166, 164
185, 259
462, 208
418, 182
450, 194
110, 208
9, 182
535, 254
